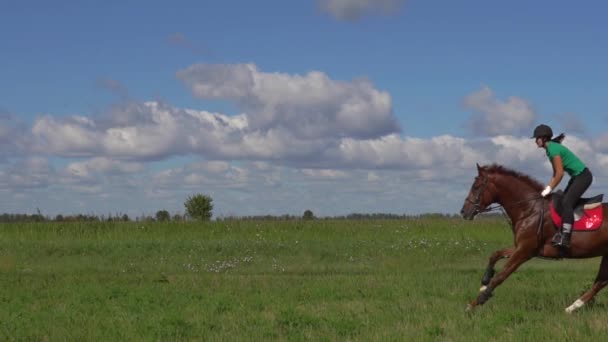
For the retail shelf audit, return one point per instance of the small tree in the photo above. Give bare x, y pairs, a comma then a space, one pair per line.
199, 207
162, 215
308, 215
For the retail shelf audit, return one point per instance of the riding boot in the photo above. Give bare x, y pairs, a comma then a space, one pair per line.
562, 238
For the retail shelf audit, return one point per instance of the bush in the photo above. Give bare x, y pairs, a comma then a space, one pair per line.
162, 215
308, 215
199, 207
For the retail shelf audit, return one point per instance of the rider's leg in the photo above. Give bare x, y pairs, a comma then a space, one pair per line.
576, 187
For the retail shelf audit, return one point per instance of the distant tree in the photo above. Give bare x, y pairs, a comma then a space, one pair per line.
125, 218
38, 217
199, 207
59, 218
163, 215
308, 215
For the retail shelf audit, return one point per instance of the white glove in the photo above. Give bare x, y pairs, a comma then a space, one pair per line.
546, 191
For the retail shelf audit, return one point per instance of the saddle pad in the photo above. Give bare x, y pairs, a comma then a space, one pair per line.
590, 219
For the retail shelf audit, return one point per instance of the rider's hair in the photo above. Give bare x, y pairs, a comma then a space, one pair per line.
558, 139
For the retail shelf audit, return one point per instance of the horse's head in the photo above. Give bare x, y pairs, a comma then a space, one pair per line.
480, 195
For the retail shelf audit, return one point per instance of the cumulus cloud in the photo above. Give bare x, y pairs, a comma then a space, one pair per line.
358, 175
72, 137
139, 131
601, 143
309, 106
291, 118
324, 174
352, 10
210, 174
392, 151
27, 173
154, 131
104, 166
492, 117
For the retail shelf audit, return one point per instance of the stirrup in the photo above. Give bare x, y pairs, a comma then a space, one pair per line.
561, 239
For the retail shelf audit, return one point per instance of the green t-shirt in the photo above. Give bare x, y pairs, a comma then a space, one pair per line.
572, 164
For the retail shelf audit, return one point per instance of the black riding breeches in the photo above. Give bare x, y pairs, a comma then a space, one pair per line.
574, 190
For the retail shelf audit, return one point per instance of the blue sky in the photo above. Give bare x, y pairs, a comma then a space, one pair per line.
397, 82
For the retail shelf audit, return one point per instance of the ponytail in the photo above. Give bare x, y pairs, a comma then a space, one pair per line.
558, 139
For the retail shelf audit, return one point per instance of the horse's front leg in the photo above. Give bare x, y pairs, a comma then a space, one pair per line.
518, 257
494, 258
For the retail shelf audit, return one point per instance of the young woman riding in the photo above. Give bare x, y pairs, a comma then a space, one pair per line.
562, 159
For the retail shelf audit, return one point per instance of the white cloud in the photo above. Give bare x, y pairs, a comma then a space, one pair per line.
288, 118
212, 166
377, 175
102, 166
492, 117
310, 106
601, 143
155, 131
149, 131
392, 151
372, 177
72, 137
27, 173
351, 10
201, 174
324, 174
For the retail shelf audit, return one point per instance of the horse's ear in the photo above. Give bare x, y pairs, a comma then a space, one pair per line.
478, 167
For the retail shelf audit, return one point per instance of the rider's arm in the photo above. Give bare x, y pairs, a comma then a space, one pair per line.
558, 171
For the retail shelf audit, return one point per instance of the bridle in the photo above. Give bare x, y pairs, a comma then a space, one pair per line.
478, 209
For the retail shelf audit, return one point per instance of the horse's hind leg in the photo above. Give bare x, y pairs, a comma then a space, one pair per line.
494, 258
600, 281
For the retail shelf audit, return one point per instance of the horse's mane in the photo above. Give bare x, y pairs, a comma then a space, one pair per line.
496, 168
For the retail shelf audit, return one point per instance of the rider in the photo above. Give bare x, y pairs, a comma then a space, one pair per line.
562, 159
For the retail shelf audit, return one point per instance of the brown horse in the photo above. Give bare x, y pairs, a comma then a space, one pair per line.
533, 229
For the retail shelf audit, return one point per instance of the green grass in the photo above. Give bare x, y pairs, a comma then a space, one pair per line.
300, 280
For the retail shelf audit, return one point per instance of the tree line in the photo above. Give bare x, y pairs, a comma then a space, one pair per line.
199, 207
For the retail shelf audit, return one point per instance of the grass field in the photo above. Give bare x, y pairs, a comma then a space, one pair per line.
385, 280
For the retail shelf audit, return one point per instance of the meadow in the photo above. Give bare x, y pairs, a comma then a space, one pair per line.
367, 280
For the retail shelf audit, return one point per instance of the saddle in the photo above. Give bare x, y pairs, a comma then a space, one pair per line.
588, 212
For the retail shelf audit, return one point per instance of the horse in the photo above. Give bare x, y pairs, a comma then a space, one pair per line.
518, 195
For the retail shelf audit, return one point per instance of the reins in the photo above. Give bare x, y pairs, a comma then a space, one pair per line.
500, 206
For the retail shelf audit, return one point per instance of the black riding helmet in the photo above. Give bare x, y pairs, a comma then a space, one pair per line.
542, 131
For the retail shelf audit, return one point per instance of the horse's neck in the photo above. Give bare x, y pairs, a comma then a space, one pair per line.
513, 194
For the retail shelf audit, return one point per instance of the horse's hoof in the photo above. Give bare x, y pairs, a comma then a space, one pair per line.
575, 306
470, 307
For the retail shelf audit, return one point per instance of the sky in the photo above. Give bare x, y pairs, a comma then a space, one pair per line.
276, 107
